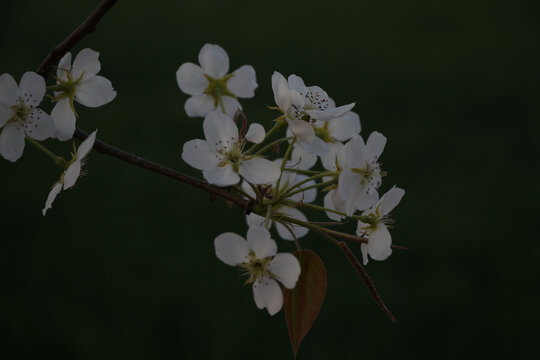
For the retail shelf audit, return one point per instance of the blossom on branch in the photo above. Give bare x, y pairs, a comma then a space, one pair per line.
19, 114
210, 85
79, 82
73, 171
259, 259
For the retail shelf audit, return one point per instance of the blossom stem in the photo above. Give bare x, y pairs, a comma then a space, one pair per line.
272, 144
60, 161
318, 207
268, 215
316, 185
283, 163
280, 122
304, 172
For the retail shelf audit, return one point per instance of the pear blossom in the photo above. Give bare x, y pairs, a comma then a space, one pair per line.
258, 257
73, 171
211, 87
374, 226
221, 156
288, 179
302, 106
79, 82
362, 176
20, 115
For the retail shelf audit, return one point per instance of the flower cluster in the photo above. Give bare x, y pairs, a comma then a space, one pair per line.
312, 127
21, 119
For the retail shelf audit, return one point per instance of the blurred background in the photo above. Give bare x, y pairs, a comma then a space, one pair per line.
123, 265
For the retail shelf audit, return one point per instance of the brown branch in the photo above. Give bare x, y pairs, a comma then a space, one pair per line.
87, 26
104, 148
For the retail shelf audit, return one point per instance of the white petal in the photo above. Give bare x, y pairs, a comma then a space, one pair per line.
329, 159
375, 146
298, 230
86, 145
64, 65
305, 196
355, 151
379, 243
214, 61
344, 127
72, 174
231, 105
330, 114
5, 114
199, 154
222, 176
349, 186
259, 171
267, 294
32, 88
364, 249
366, 200
199, 105
301, 159
231, 248
243, 83
40, 125
302, 129
286, 268
9, 91
281, 91
87, 61
332, 200
255, 133
255, 220
259, 240
50, 198
220, 130
12, 142
95, 91
64, 120
296, 83
316, 146
190, 79
390, 200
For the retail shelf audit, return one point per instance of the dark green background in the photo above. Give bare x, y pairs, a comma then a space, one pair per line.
123, 265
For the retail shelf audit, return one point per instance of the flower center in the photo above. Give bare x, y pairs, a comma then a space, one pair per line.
21, 111
256, 268
233, 156
217, 88
371, 175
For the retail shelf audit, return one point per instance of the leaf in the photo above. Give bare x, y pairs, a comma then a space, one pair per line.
302, 304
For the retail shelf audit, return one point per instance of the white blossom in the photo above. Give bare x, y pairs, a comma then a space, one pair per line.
80, 83
362, 176
73, 171
374, 226
221, 156
258, 257
19, 114
302, 106
211, 87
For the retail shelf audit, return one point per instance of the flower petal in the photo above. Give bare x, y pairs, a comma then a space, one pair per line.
375, 146
12, 142
64, 65
330, 114
32, 88
199, 105
95, 91
355, 152
390, 200
332, 200
231, 248
306, 196
286, 268
72, 174
267, 294
40, 126
231, 105
222, 176
302, 129
301, 159
220, 130
190, 79
349, 186
281, 91
87, 62
214, 60
199, 154
379, 243
259, 240
86, 145
332, 156
255, 220
50, 198
255, 133
64, 120
9, 91
5, 114
243, 83
298, 230
365, 200
296, 83
316, 146
259, 171
344, 127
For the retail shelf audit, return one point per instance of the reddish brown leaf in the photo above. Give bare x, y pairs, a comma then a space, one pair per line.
302, 304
